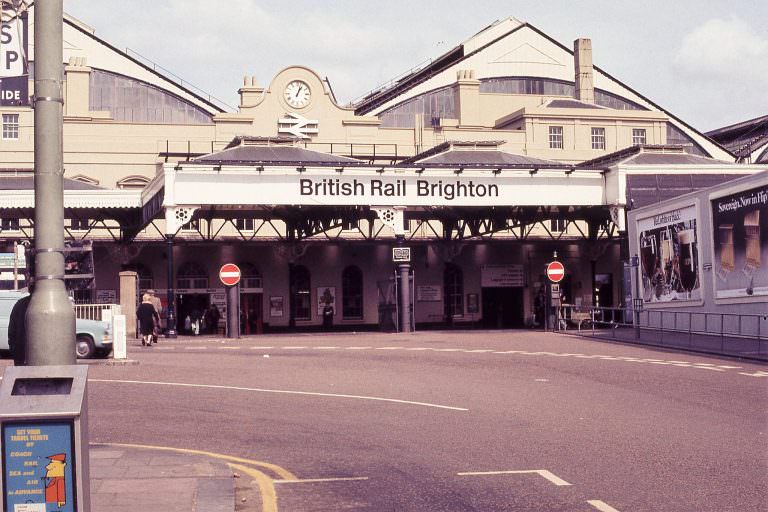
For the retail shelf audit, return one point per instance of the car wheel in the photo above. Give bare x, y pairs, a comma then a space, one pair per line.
84, 347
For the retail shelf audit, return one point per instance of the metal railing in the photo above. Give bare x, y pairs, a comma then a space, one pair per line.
96, 311
741, 334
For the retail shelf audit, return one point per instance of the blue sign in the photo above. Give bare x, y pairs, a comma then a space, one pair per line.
39, 466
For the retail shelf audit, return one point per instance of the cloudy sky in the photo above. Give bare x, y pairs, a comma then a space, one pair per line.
704, 61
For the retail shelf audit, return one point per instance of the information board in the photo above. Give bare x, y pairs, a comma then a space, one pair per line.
38, 466
502, 276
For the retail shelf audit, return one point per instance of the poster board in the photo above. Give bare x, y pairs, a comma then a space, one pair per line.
670, 265
740, 244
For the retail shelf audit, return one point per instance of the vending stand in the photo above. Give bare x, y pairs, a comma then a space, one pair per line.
44, 441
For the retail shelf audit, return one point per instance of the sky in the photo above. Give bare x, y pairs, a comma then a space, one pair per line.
704, 61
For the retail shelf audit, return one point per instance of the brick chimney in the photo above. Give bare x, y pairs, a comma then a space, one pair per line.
582, 65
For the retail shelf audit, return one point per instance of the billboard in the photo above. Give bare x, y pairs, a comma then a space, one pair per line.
669, 256
740, 238
14, 69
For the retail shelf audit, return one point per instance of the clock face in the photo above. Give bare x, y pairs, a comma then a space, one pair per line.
297, 94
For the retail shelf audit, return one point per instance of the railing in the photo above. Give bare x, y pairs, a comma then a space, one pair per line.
726, 333
96, 311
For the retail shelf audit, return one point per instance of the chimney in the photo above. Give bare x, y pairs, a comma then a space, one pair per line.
582, 65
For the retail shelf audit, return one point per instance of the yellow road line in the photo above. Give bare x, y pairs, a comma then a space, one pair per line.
266, 487
284, 474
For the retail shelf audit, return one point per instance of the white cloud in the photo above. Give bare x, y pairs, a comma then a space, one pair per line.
724, 48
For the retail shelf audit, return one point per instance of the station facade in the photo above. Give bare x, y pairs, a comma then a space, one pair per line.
504, 153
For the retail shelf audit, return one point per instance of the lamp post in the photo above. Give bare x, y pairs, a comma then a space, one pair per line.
637, 300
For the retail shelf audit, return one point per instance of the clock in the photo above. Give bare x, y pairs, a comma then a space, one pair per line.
297, 94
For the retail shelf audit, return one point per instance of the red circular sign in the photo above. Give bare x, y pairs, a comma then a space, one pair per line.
229, 274
555, 271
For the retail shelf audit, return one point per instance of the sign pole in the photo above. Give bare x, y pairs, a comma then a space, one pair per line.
229, 275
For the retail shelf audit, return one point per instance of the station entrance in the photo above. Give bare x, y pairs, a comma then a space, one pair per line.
503, 308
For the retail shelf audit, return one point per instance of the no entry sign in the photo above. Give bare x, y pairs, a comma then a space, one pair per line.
555, 271
229, 274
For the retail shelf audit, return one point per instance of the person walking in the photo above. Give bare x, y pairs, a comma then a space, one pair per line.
148, 318
155, 300
212, 320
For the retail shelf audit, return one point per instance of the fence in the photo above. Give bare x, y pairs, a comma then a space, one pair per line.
745, 335
96, 311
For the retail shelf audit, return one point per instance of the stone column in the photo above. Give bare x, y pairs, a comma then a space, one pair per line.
129, 282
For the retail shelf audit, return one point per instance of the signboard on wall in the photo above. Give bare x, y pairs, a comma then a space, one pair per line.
276, 306
106, 296
14, 72
502, 276
669, 256
326, 295
429, 293
740, 239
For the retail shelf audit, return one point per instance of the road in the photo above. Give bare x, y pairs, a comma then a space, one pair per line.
453, 421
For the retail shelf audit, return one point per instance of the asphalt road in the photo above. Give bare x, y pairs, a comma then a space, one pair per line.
457, 421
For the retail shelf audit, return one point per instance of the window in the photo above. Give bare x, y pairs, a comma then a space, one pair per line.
192, 225
251, 278
79, 224
134, 182
10, 126
453, 295
598, 138
9, 224
244, 224
557, 225
146, 279
301, 293
638, 136
352, 292
556, 137
191, 275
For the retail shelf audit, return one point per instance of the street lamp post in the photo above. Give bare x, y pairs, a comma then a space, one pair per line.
637, 300
50, 318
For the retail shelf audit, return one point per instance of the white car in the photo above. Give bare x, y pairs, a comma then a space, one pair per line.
94, 337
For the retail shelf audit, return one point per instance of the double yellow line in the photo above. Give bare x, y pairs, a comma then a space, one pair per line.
246, 466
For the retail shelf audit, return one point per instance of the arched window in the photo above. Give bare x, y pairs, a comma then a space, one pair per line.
453, 291
301, 293
133, 181
352, 292
250, 276
191, 275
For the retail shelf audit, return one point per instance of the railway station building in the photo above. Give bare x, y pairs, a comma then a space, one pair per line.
496, 157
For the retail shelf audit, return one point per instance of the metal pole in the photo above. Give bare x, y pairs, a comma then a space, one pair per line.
233, 311
405, 297
50, 318
170, 331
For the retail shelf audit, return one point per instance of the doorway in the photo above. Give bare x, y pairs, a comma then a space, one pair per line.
503, 308
192, 305
251, 321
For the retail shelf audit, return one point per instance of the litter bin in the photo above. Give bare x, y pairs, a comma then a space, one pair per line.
44, 441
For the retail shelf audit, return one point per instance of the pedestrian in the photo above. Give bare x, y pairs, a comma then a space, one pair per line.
158, 305
148, 319
328, 316
17, 330
539, 305
213, 319
195, 318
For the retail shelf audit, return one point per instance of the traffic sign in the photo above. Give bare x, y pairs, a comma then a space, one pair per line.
229, 274
555, 271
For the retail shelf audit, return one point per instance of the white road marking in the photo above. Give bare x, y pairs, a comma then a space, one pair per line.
477, 351
756, 374
541, 472
294, 348
389, 348
416, 349
326, 348
164, 348
262, 348
321, 480
230, 348
602, 506
358, 348
282, 391
195, 348
711, 368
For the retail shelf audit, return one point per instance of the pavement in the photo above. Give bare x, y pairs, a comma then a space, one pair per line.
128, 478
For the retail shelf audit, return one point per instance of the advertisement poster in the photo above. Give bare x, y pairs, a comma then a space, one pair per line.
326, 295
669, 256
14, 72
740, 224
429, 293
276, 306
38, 467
